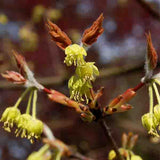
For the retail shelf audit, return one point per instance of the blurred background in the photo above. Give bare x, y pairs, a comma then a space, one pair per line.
119, 54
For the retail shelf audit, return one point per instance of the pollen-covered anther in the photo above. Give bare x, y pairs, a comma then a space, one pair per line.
74, 55
79, 89
9, 117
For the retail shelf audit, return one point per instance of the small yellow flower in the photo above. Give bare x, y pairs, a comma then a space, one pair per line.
9, 117
87, 71
74, 55
29, 127
112, 155
79, 88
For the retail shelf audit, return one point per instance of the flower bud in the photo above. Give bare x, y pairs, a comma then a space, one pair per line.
74, 55
112, 155
9, 117
149, 122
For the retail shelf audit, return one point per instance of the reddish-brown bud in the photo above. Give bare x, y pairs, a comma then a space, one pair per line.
122, 99
132, 141
60, 37
14, 77
151, 53
119, 103
124, 140
91, 34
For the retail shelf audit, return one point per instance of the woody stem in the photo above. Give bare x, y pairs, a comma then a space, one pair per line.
108, 134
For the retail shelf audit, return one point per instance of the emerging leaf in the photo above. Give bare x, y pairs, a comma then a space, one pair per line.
91, 34
21, 62
14, 77
151, 56
60, 37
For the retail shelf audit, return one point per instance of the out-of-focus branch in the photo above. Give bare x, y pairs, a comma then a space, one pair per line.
155, 14
58, 80
56, 143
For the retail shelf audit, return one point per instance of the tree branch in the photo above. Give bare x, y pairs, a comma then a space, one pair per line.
108, 134
149, 9
58, 80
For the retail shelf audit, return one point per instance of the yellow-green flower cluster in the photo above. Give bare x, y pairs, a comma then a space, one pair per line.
9, 117
27, 126
86, 72
151, 120
79, 88
74, 55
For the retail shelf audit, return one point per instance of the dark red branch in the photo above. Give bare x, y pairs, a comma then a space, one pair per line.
140, 85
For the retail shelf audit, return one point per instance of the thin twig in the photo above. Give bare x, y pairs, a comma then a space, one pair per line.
108, 134
149, 9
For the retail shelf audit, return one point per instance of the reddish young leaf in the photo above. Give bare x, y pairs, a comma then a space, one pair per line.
20, 60
14, 77
151, 53
60, 37
91, 34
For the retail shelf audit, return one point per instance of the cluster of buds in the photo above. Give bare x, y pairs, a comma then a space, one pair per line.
128, 142
86, 72
26, 124
118, 104
151, 120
